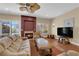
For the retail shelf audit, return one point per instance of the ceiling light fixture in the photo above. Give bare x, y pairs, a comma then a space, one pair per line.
30, 7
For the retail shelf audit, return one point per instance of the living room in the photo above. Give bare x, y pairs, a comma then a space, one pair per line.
38, 27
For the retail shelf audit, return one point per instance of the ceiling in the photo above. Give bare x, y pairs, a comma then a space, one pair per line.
47, 10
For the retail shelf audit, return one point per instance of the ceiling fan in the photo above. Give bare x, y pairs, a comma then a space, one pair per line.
30, 7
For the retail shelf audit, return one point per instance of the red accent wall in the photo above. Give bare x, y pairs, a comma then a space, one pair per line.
28, 23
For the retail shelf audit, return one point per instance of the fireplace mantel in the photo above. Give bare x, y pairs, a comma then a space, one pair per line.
28, 31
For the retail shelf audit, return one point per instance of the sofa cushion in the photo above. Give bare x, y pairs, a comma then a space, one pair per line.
1, 48
15, 46
25, 45
6, 41
12, 49
13, 37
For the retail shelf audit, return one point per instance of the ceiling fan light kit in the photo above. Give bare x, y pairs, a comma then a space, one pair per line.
30, 7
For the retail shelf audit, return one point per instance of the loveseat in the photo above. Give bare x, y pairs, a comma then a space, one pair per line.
14, 46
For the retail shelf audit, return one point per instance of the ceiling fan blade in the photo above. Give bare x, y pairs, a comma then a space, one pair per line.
23, 8
34, 7
22, 4
27, 4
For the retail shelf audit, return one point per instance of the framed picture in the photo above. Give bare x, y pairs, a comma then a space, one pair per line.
69, 22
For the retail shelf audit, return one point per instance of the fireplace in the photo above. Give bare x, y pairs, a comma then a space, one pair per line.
28, 34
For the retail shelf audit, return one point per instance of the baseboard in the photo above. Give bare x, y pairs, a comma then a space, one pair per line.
75, 43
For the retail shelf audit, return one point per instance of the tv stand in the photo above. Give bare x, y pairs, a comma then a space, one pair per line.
64, 40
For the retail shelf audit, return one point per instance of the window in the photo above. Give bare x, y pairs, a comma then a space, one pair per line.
15, 27
41, 27
9, 27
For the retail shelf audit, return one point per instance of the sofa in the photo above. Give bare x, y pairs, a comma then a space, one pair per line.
14, 46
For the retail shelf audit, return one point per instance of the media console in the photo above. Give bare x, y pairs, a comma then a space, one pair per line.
64, 40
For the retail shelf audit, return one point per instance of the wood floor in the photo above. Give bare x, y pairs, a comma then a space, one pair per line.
34, 51
57, 47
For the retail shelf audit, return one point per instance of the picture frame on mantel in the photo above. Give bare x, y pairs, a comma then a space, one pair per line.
69, 22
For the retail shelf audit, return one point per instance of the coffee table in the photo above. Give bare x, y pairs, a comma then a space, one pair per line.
45, 50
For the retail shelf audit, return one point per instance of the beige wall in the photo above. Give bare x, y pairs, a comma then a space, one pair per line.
16, 18
59, 22
45, 21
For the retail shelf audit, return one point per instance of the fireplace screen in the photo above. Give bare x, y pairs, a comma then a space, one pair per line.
29, 35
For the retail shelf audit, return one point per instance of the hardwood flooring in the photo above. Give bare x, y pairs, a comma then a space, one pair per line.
34, 51
57, 47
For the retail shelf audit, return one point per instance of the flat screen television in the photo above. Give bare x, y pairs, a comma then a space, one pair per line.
65, 31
